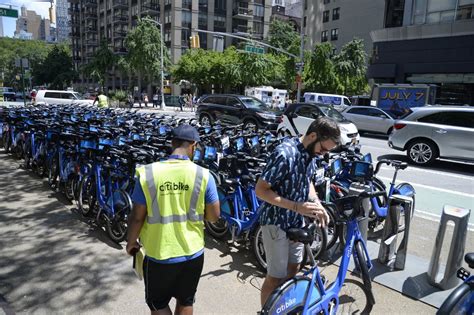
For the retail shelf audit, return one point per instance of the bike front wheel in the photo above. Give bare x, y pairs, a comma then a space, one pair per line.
364, 273
116, 226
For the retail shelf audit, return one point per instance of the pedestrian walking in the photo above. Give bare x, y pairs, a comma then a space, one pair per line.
130, 100
170, 201
155, 99
288, 194
145, 99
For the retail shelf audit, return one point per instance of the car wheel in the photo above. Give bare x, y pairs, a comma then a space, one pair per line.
250, 124
205, 120
422, 152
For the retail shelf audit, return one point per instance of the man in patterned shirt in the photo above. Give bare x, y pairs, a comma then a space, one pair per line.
288, 195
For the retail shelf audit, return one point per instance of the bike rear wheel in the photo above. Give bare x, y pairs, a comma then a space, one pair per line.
87, 200
116, 227
219, 228
258, 249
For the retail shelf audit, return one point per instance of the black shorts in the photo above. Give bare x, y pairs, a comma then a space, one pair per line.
164, 281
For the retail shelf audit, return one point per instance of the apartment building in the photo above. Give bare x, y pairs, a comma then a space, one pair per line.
62, 20
340, 21
96, 20
427, 41
289, 11
31, 22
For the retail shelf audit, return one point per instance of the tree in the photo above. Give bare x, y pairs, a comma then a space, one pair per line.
351, 66
57, 69
103, 60
320, 72
144, 51
10, 49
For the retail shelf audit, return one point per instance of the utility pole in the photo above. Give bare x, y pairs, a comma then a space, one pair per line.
300, 68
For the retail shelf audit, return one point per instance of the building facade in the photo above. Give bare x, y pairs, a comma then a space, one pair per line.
31, 22
62, 21
340, 21
427, 41
96, 20
289, 11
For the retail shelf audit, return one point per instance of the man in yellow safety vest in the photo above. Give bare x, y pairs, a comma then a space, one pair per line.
171, 200
103, 101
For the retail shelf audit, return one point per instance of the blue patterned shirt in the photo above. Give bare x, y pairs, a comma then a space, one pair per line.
288, 170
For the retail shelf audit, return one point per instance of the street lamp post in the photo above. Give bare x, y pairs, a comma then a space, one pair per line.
163, 105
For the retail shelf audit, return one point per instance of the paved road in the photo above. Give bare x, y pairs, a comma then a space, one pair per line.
445, 182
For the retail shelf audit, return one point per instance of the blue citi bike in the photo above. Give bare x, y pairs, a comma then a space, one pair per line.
308, 295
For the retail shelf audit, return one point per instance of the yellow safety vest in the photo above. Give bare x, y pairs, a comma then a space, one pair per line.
174, 191
103, 101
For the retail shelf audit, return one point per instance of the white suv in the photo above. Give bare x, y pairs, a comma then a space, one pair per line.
60, 97
430, 132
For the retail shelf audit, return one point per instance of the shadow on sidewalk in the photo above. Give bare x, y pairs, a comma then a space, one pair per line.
49, 261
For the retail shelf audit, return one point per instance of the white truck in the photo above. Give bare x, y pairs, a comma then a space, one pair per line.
269, 95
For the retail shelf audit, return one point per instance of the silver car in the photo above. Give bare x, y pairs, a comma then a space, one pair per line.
370, 119
433, 132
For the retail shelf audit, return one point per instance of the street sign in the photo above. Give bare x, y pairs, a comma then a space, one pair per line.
254, 49
8, 12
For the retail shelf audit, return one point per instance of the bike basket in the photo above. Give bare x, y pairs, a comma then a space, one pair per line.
122, 140
162, 130
88, 144
105, 142
197, 155
51, 135
92, 128
254, 141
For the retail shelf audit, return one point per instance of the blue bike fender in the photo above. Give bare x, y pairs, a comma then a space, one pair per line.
405, 189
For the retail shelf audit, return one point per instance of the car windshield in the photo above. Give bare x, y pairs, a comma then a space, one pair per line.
254, 103
78, 96
329, 111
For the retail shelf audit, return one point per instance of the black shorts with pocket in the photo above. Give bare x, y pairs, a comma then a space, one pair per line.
164, 281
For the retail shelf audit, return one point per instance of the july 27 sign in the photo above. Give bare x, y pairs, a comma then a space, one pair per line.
399, 100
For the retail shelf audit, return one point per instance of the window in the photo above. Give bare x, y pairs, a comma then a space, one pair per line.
202, 20
326, 16
203, 5
186, 19
308, 112
465, 10
326, 1
232, 101
52, 95
185, 34
259, 10
219, 23
306, 4
278, 2
334, 34
335, 14
458, 119
304, 21
258, 27
433, 11
324, 36
67, 96
167, 16
187, 4
220, 6
359, 111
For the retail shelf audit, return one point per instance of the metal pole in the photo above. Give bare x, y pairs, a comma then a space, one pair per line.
298, 94
23, 81
162, 105
246, 39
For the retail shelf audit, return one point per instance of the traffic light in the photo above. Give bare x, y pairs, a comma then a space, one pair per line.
194, 40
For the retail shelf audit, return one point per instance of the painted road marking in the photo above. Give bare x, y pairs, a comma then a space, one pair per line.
436, 217
433, 172
433, 188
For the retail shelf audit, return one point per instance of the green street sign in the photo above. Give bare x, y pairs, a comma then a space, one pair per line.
254, 49
8, 12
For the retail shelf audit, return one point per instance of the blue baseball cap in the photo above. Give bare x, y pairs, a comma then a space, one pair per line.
185, 132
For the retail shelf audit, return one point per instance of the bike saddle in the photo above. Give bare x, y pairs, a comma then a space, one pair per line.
469, 258
304, 235
231, 181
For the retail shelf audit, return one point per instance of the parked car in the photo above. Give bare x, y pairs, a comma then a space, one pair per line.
297, 118
370, 119
8, 93
237, 109
60, 97
433, 132
338, 101
360, 100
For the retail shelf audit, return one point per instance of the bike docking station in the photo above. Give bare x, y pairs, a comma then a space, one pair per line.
389, 254
448, 279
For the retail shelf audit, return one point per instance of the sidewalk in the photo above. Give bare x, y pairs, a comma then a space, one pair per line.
56, 262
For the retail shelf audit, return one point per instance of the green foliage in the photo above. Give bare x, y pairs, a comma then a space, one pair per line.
119, 95
226, 71
103, 60
10, 49
283, 35
343, 73
144, 50
56, 70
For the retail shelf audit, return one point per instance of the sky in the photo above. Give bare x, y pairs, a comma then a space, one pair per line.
9, 24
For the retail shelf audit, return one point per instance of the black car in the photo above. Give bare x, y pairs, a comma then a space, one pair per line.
237, 109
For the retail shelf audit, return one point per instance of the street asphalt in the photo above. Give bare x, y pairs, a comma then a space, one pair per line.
54, 261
